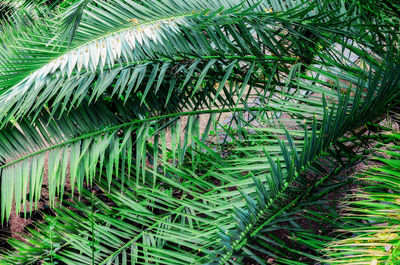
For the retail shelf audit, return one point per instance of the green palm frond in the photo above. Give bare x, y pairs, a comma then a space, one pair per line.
152, 222
280, 197
371, 217
71, 19
104, 131
171, 37
24, 149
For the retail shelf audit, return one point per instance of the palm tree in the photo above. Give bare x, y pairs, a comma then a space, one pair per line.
106, 98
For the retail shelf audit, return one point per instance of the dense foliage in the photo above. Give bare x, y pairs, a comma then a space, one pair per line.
201, 131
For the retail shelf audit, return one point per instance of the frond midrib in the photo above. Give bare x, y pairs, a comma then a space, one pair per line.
88, 43
128, 124
253, 232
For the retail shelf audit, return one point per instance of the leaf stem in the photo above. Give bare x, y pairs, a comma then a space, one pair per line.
128, 124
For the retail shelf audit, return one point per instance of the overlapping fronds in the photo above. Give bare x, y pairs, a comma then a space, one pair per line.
267, 205
268, 173
237, 74
111, 105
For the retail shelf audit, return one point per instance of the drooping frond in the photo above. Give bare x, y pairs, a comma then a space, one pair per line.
168, 36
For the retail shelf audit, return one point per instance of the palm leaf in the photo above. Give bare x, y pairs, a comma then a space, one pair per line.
371, 217
141, 46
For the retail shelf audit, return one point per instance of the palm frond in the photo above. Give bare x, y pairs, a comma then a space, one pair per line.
141, 45
371, 216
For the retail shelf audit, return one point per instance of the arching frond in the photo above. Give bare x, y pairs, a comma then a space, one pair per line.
171, 36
